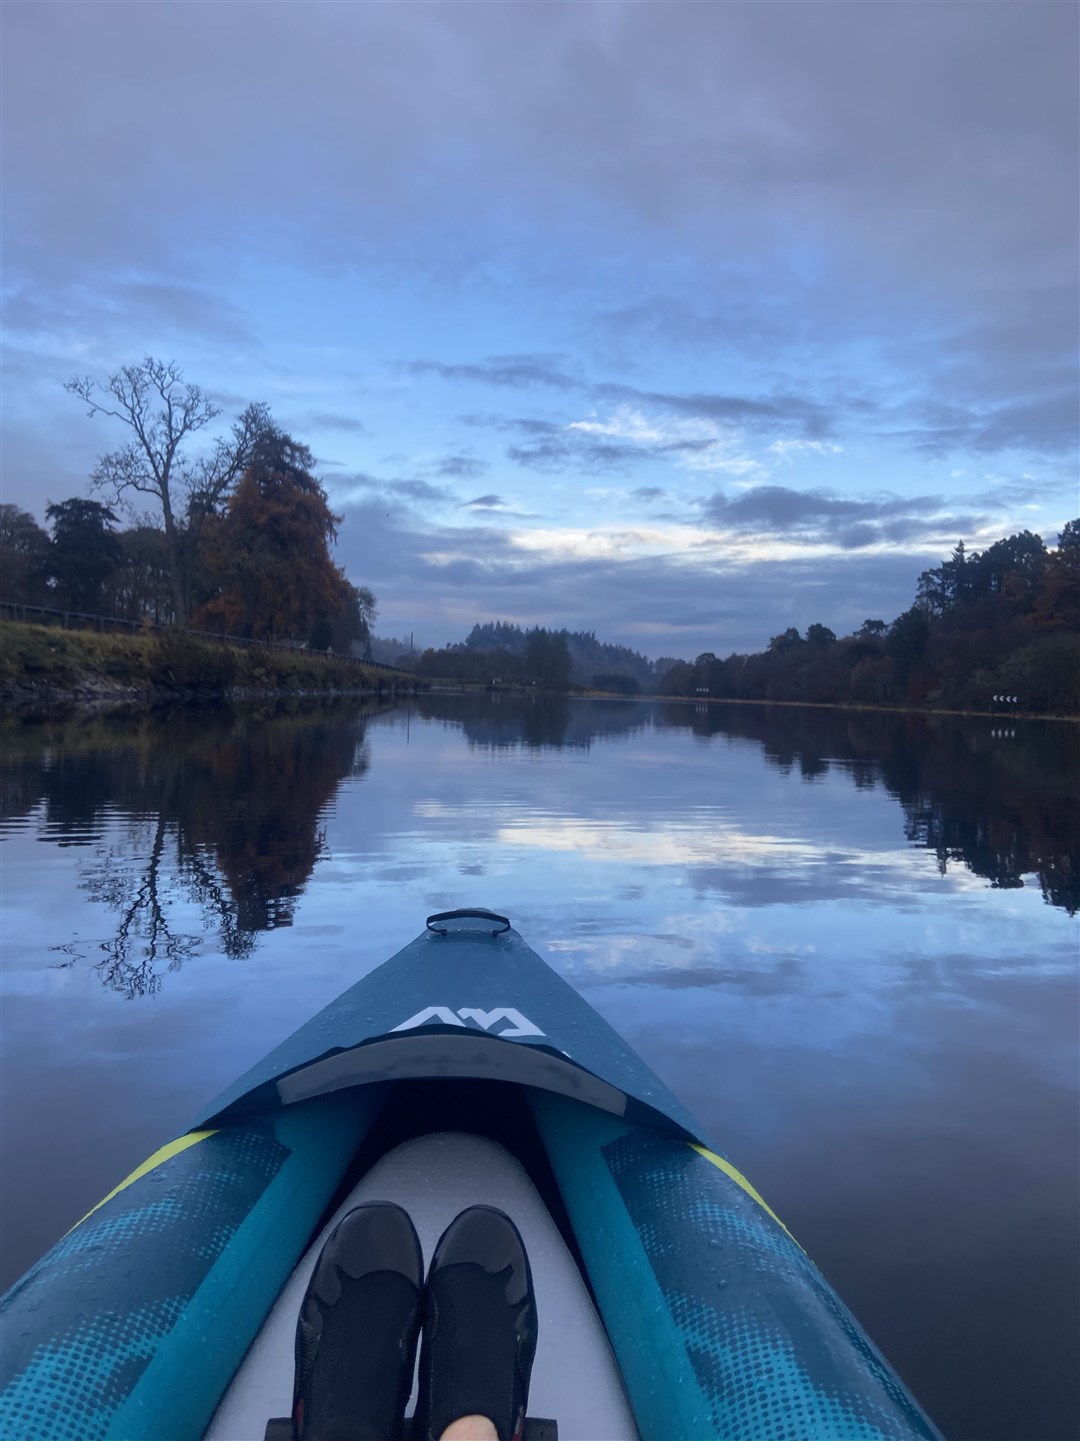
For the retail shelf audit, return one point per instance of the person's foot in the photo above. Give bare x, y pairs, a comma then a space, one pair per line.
357, 1329
479, 1328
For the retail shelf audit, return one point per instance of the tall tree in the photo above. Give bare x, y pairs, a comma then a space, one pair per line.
788, 640
141, 586
1057, 605
932, 591
1015, 563
24, 547
955, 576
547, 656
84, 553
270, 553
162, 412
351, 630
907, 641
496, 635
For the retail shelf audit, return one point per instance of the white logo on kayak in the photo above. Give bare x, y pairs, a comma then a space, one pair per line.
519, 1026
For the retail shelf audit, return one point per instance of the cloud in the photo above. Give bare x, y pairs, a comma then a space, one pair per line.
1047, 424
705, 412
696, 443
439, 579
624, 439
929, 423
484, 502
50, 332
805, 415
857, 229
35, 475
521, 425
327, 420
894, 141
691, 324
822, 516
461, 467
788, 448
515, 371
564, 451
627, 437
92, 323
407, 492
419, 490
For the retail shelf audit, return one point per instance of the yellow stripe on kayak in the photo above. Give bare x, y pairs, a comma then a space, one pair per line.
151, 1163
740, 1180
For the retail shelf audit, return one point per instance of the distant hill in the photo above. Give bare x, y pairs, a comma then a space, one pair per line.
589, 657
592, 662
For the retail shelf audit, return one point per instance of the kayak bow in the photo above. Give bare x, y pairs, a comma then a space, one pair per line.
463, 1060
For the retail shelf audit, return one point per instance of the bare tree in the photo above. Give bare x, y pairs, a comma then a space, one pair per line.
162, 412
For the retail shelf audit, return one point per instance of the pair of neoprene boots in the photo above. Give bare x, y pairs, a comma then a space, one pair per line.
360, 1320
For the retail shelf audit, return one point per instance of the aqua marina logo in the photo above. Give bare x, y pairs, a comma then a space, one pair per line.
485, 1020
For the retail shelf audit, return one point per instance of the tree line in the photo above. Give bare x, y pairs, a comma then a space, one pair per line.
504, 653
1002, 621
237, 540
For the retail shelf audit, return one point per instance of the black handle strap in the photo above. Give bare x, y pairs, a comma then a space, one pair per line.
467, 913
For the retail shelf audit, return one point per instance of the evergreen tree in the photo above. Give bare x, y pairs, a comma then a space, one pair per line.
24, 549
83, 555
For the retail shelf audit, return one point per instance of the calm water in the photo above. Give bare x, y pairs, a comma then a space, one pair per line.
848, 943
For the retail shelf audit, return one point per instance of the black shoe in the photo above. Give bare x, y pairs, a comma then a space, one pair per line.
479, 1328
357, 1329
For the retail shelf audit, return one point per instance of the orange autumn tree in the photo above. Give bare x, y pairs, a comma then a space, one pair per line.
266, 566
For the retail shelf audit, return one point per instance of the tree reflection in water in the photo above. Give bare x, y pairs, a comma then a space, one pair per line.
538, 722
1004, 806
220, 813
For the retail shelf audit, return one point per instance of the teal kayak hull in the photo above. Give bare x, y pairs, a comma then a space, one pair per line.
133, 1325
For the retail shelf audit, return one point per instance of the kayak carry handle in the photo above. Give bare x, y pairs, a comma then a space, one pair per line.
467, 912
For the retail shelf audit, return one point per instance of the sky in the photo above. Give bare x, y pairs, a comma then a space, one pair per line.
678, 323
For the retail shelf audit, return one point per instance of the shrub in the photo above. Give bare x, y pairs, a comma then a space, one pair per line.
179, 661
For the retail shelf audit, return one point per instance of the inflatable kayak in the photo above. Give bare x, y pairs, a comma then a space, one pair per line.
672, 1302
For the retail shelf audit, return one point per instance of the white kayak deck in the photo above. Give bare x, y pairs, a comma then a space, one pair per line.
575, 1378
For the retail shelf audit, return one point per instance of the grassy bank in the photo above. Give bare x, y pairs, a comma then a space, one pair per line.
40, 660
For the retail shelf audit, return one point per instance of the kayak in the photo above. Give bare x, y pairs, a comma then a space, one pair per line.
673, 1303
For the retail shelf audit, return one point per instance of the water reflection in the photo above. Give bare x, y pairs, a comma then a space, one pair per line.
999, 801
219, 810
841, 938
207, 824
1002, 805
500, 722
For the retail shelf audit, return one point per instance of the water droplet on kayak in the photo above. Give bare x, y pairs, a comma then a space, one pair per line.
714, 1244
721, 1283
